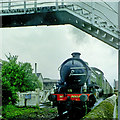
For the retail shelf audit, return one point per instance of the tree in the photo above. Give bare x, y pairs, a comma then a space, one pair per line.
17, 76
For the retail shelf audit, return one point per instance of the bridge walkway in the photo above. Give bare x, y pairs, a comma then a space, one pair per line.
79, 14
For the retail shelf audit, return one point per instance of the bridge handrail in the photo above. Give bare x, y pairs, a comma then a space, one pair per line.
23, 1
53, 2
99, 20
96, 14
26, 4
107, 8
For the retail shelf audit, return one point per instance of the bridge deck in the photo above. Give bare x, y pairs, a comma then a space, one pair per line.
79, 14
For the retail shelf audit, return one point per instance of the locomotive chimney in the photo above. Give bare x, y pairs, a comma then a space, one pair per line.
76, 55
36, 68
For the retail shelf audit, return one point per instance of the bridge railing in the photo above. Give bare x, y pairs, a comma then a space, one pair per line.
96, 17
85, 9
88, 9
8, 5
17, 4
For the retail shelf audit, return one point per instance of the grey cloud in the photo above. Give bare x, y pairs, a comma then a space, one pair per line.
50, 46
79, 36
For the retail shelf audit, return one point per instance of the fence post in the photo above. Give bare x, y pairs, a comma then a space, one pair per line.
9, 5
24, 6
114, 112
62, 2
35, 5
37, 96
92, 14
56, 4
18, 93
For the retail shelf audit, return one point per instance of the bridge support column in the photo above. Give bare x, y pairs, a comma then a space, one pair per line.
119, 63
119, 82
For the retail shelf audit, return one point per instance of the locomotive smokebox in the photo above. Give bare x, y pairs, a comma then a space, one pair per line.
76, 55
74, 71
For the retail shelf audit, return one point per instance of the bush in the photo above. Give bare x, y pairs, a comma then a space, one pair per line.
16, 76
10, 111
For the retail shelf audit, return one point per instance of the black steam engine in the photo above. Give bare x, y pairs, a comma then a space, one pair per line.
76, 92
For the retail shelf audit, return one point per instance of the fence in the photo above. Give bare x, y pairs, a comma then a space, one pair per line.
33, 98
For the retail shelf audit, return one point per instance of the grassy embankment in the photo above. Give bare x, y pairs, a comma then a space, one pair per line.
117, 107
103, 111
11, 112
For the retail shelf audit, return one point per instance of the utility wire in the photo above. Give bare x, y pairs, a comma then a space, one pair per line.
109, 6
101, 13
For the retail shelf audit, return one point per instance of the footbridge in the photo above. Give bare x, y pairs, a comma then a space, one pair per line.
83, 15
94, 18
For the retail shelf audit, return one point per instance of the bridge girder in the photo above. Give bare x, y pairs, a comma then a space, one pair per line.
59, 17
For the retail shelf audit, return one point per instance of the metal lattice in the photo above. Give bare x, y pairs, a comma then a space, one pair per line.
93, 22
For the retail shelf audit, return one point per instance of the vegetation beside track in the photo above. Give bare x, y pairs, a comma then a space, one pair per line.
103, 111
117, 107
11, 112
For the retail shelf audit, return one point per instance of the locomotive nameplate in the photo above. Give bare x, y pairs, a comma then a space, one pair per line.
73, 97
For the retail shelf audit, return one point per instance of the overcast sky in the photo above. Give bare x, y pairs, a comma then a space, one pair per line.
49, 46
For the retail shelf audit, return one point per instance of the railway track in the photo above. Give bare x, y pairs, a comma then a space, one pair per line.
62, 117
66, 115
97, 102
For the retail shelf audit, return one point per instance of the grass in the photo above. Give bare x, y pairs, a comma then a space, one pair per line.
117, 112
26, 113
117, 107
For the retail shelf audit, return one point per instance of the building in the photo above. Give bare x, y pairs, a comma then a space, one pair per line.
40, 78
49, 83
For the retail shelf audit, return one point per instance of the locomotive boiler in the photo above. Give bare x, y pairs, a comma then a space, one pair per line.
76, 91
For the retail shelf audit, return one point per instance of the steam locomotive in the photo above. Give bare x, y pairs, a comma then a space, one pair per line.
79, 86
